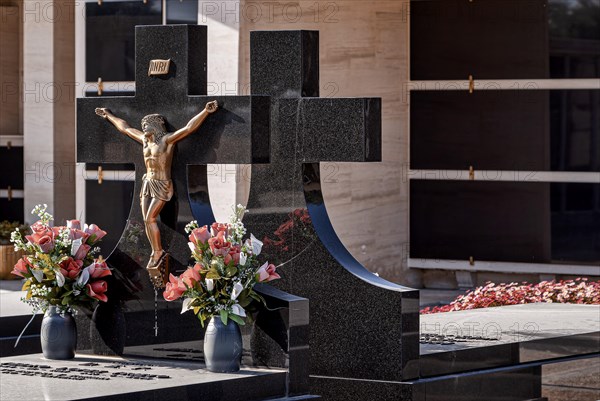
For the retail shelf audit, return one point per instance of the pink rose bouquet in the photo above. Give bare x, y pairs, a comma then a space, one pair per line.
221, 283
59, 267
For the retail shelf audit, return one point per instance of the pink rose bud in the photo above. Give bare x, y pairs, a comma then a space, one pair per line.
174, 289
200, 235
82, 252
190, 277
97, 290
95, 233
99, 270
21, 267
38, 227
46, 243
74, 224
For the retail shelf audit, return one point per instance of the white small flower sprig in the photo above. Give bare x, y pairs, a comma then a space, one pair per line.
41, 212
221, 283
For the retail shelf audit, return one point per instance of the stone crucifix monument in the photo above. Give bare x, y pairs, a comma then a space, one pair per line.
170, 103
169, 131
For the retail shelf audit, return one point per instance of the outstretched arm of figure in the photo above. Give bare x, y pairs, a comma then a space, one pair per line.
121, 124
194, 123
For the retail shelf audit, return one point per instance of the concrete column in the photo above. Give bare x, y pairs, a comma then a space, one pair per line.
49, 106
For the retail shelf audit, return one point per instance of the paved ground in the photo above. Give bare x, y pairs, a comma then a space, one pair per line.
572, 381
10, 299
10, 285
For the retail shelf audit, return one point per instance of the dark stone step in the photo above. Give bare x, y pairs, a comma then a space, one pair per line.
11, 327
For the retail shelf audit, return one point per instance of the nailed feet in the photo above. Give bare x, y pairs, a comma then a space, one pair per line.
158, 269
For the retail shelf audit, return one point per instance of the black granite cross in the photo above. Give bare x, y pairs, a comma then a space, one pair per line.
237, 133
362, 327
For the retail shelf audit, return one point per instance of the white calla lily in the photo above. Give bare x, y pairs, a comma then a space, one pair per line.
237, 290
60, 279
186, 305
38, 274
243, 258
210, 284
85, 276
256, 245
75, 244
238, 310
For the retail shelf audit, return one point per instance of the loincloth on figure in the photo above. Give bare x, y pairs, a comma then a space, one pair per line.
159, 189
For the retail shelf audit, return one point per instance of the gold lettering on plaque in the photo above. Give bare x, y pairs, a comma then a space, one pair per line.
159, 67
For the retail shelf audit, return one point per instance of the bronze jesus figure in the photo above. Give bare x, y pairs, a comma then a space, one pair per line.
157, 187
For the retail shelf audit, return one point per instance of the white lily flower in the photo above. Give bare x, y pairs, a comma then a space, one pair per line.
85, 276
262, 272
237, 290
186, 305
60, 279
75, 244
38, 274
210, 284
238, 310
256, 245
243, 258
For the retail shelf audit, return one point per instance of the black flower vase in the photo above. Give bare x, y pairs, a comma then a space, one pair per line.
222, 346
108, 329
58, 334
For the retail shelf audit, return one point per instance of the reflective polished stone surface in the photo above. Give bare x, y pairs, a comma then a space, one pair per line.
509, 335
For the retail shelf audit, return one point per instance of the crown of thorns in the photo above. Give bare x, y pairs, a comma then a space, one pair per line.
153, 119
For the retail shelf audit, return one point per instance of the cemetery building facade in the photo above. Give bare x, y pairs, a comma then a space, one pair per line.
490, 162
366, 152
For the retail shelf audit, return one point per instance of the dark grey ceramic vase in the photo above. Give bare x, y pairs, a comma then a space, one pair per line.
222, 346
58, 335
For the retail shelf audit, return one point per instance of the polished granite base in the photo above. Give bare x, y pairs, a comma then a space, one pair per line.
14, 316
509, 335
516, 384
492, 354
132, 379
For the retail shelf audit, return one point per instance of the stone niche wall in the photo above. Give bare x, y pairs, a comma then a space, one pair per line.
10, 68
363, 52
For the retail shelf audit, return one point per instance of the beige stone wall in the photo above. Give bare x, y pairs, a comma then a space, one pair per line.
10, 63
49, 107
363, 52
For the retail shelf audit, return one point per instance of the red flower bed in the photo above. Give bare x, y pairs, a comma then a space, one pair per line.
578, 291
